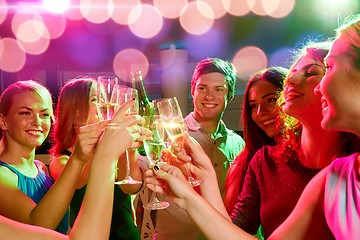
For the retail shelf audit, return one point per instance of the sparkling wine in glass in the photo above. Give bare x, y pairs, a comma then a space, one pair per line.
126, 94
172, 119
107, 94
153, 149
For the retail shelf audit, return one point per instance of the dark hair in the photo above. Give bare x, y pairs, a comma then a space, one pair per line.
71, 112
210, 65
254, 137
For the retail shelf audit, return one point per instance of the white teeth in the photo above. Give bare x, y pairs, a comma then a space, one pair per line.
294, 94
209, 105
268, 122
34, 132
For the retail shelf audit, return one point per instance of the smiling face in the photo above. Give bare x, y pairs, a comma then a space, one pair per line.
210, 96
28, 120
262, 101
300, 99
340, 90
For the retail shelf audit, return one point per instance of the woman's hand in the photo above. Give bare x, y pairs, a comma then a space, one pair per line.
121, 134
87, 139
171, 181
194, 155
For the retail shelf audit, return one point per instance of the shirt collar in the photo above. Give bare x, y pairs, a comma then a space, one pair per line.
193, 125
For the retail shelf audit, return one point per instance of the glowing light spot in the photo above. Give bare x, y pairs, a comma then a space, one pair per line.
249, 60
170, 9
33, 37
122, 9
3, 10
96, 11
197, 18
56, 6
217, 7
13, 57
332, 10
30, 31
236, 7
36, 48
22, 16
73, 12
55, 24
145, 21
256, 7
129, 60
278, 8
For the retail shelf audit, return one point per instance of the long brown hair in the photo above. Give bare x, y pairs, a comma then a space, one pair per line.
71, 112
254, 136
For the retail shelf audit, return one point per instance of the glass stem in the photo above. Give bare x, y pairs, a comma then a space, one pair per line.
155, 200
127, 165
190, 178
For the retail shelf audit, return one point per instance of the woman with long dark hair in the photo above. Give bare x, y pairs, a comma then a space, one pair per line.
259, 119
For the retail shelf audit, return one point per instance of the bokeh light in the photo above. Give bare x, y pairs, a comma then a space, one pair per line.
217, 7
249, 60
96, 11
56, 6
170, 9
3, 10
22, 16
33, 36
122, 9
55, 24
236, 7
145, 21
128, 60
278, 8
12, 56
73, 12
257, 7
197, 18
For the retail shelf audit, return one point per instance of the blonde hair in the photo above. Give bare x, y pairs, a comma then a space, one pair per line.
7, 97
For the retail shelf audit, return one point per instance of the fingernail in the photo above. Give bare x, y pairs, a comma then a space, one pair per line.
156, 168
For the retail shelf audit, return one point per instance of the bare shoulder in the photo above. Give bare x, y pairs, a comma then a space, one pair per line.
8, 178
57, 165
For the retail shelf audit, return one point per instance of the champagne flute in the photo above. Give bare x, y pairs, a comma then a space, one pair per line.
172, 119
107, 94
153, 148
125, 94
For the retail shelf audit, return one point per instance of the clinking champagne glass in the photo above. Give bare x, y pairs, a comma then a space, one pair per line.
171, 116
107, 94
153, 149
126, 94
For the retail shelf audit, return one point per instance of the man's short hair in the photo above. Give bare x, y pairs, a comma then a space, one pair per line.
210, 65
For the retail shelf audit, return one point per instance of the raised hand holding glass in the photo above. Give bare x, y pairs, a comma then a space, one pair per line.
153, 149
172, 119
